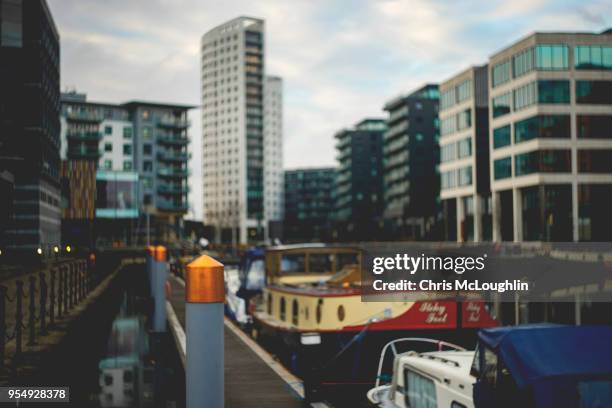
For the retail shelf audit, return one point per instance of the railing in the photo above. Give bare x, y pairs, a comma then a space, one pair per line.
170, 172
82, 135
48, 296
173, 122
172, 139
169, 188
84, 116
172, 156
77, 153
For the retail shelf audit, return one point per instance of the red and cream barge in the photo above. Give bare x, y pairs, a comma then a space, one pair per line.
313, 317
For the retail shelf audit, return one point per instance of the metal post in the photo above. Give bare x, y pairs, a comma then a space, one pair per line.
43, 304
149, 258
160, 274
18, 318
52, 298
32, 312
60, 286
3, 293
65, 289
204, 297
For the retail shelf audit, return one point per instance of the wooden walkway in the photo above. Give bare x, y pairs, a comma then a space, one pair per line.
252, 377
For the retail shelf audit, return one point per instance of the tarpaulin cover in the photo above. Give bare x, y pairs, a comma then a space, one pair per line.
533, 353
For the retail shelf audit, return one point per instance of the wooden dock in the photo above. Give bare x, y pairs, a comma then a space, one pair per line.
252, 377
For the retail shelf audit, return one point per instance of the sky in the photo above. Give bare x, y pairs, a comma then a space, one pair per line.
340, 60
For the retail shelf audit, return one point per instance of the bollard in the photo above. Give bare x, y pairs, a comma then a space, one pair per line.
159, 276
204, 298
149, 257
32, 312
52, 298
43, 304
18, 318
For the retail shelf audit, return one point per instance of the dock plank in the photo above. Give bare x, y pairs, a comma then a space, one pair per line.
249, 381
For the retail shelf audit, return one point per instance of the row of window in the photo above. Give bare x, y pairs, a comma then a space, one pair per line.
456, 150
456, 178
551, 57
553, 161
456, 94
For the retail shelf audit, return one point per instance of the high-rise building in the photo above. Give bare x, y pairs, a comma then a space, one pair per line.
29, 122
140, 152
273, 156
358, 191
551, 147
308, 204
411, 155
236, 144
464, 156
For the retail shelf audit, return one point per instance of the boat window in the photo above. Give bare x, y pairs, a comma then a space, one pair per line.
294, 312
282, 308
420, 391
269, 303
489, 368
320, 263
292, 263
595, 393
346, 259
341, 313
319, 310
456, 404
306, 313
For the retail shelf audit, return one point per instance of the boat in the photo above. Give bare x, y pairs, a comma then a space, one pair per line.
242, 284
311, 315
543, 366
431, 379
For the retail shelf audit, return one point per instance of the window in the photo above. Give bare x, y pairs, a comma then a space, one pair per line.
523, 62
502, 168
524, 96
127, 165
464, 119
593, 57
448, 152
464, 90
448, 125
147, 199
147, 182
447, 99
420, 391
465, 176
594, 126
108, 147
283, 306
553, 92
146, 133
295, 312
502, 104
594, 92
456, 404
501, 136
147, 165
552, 57
127, 132
108, 130
501, 73
145, 114
127, 149
147, 149
543, 126
12, 23
108, 164
448, 179
464, 148
543, 161
595, 161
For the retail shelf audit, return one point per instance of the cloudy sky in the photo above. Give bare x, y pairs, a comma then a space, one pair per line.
340, 60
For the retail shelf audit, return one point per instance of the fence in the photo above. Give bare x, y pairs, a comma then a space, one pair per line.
31, 306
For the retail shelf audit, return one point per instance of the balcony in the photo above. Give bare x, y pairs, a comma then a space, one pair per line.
173, 122
176, 140
169, 205
170, 172
83, 136
94, 117
172, 189
170, 156
83, 153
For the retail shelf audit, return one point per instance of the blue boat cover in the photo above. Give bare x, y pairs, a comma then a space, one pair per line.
533, 353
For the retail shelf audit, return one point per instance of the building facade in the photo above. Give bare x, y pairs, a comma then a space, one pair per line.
411, 154
29, 123
464, 156
359, 191
140, 152
236, 144
309, 205
550, 120
273, 156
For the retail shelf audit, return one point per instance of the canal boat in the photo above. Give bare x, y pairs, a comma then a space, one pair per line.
312, 316
431, 379
543, 366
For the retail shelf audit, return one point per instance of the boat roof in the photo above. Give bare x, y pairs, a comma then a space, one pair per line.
314, 247
317, 291
536, 352
449, 367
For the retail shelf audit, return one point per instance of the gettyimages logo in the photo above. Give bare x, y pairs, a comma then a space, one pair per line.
413, 264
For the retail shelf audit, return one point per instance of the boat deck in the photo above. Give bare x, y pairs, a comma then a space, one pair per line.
252, 377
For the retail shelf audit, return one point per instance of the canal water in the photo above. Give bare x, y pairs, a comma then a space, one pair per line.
110, 357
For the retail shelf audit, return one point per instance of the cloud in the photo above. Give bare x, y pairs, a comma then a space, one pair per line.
340, 60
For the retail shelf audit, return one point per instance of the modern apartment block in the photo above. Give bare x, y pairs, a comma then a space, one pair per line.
273, 156
551, 147
29, 124
411, 154
359, 190
238, 150
309, 204
140, 152
465, 189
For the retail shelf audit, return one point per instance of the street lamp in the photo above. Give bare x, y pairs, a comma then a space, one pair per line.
39, 251
68, 248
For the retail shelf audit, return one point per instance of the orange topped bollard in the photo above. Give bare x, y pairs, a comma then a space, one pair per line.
159, 276
204, 302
